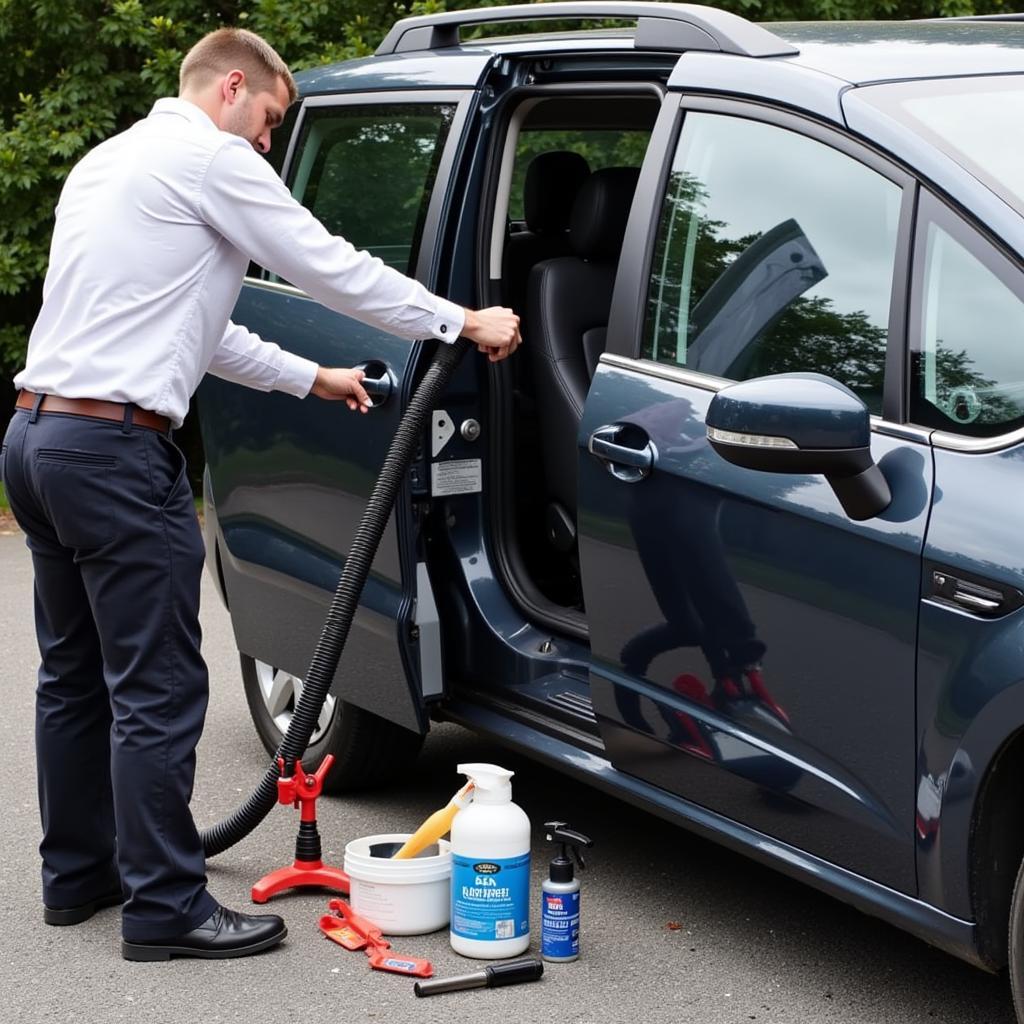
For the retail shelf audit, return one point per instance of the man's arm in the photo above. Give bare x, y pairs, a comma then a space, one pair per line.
245, 358
244, 200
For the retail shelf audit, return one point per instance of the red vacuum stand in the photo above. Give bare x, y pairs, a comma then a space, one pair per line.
308, 870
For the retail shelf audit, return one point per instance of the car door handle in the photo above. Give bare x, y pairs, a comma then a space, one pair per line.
379, 381
980, 604
626, 463
989, 600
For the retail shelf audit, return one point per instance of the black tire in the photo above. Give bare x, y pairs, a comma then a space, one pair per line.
369, 751
1016, 950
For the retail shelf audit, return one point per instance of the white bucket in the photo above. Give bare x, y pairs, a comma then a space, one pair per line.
401, 897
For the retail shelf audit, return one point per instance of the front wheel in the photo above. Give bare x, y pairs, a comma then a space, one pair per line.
1016, 966
369, 751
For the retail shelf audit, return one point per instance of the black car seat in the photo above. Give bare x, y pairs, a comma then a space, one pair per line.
567, 307
552, 183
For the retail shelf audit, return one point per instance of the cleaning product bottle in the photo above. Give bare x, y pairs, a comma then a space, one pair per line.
560, 897
490, 844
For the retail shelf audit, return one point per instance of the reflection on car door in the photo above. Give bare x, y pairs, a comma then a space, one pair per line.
967, 382
753, 648
291, 479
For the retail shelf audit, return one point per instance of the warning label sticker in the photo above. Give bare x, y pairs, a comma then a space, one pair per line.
460, 476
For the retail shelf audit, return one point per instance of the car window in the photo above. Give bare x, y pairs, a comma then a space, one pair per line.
970, 119
599, 147
366, 172
967, 369
774, 253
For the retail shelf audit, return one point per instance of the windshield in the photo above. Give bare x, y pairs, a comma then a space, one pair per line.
977, 121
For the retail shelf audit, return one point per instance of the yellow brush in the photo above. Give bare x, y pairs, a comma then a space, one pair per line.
437, 825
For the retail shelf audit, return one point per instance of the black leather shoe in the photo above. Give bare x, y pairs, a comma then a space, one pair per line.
223, 934
76, 915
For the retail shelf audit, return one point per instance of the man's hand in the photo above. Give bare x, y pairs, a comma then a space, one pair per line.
494, 330
334, 384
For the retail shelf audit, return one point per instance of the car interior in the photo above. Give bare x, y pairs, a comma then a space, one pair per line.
565, 186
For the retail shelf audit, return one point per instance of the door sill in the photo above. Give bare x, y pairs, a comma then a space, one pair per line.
557, 704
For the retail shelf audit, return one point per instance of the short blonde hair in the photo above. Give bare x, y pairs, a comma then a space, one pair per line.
229, 48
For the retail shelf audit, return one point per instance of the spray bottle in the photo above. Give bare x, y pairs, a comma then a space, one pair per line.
560, 897
490, 844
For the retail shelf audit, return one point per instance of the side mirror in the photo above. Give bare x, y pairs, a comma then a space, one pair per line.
801, 423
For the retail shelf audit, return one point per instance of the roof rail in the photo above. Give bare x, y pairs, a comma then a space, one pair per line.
660, 26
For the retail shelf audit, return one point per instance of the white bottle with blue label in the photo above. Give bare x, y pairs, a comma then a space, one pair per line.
490, 844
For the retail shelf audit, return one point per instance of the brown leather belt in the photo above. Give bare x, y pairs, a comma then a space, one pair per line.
94, 409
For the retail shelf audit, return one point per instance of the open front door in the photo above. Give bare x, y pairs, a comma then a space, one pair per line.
290, 479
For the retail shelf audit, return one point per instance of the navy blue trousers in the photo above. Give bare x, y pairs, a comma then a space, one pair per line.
122, 689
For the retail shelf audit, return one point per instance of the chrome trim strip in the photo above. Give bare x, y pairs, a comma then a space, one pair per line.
705, 382
977, 445
903, 431
673, 373
275, 286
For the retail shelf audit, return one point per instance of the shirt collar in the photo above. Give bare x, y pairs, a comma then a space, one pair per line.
185, 109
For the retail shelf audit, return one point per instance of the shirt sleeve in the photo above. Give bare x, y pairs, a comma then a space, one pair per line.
246, 202
245, 358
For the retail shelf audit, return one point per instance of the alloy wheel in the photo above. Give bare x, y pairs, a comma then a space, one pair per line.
281, 692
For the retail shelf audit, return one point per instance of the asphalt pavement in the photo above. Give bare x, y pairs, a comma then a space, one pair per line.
675, 928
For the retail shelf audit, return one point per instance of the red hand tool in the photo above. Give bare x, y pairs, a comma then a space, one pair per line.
308, 870
348, 929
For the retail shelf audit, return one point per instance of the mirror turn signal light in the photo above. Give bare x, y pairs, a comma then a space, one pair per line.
749, 440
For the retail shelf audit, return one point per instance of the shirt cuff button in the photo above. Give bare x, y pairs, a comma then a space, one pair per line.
444, 328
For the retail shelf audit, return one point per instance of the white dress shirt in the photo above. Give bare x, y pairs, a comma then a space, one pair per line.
154, 230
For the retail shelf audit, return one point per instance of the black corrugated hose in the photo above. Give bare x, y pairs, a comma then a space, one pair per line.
401, 452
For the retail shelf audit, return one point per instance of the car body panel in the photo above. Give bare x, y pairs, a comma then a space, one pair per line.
774, 81
703, 556
970, 674
859, 52
290, 489
452, 70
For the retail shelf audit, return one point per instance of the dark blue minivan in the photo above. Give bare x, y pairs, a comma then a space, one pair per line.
734, 535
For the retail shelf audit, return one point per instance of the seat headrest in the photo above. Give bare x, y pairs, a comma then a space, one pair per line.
552, 183
599, 215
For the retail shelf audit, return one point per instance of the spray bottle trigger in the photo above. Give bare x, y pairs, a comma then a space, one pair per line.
559, 832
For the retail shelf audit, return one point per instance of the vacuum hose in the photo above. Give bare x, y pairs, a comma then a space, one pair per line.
318, 680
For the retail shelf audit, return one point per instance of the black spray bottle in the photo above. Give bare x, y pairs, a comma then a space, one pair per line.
560, 897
